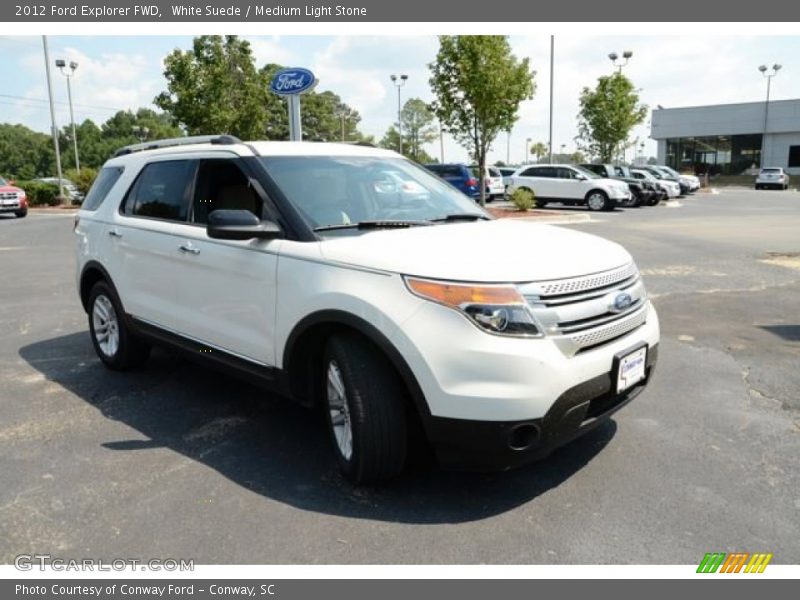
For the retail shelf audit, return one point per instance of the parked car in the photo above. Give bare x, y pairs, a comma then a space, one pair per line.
669, 185
642, 192
507, 172
70, 189
772, 177
493, 180
459, 176
280, 262
571, 185
691, 182
12, 199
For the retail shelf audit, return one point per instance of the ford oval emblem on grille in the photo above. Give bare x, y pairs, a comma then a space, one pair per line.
621, 301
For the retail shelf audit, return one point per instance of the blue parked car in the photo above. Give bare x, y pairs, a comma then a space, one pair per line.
459, 176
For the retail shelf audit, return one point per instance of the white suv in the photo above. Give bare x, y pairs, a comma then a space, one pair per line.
314, 269
569, 184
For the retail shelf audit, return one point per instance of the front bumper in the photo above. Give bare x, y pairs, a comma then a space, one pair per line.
12, 208
501, 445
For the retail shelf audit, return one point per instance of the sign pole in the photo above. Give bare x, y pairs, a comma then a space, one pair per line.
295, 122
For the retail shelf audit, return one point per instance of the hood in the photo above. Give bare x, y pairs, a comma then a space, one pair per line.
618, 183
502, 250
9, 188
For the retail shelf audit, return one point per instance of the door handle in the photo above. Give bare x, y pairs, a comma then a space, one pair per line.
114, 233
189, 249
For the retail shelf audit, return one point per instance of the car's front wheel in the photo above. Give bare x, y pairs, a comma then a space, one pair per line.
365, 407
115, 344
21, 214
597, 200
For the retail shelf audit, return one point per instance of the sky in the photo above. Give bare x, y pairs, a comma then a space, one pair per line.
126, 72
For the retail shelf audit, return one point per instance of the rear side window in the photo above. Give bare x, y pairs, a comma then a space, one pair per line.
105, 180
160, 191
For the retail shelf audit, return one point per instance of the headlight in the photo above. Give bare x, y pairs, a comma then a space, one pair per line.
21, 195
499, 309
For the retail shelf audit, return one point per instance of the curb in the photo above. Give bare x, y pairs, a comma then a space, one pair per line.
52, 210
557, 218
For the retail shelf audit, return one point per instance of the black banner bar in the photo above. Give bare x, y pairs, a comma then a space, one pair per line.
443, 11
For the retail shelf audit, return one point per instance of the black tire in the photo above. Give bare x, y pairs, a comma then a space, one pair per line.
597, 200
374, 397
130, 351
21, 214
758, 187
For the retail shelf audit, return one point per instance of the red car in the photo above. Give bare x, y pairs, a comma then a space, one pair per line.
12, 199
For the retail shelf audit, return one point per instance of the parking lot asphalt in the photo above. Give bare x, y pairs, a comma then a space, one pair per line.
175, 461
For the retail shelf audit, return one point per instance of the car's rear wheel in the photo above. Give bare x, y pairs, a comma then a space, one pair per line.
114, 342
365, 407
597, 200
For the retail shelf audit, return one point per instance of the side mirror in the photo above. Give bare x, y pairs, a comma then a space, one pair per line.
240, 225
580, 177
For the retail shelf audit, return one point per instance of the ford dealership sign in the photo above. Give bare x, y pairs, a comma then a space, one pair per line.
288, 82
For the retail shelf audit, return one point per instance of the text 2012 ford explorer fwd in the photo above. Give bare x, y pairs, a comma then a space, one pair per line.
350, 279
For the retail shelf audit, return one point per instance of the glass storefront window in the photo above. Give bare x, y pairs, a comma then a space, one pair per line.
720, 154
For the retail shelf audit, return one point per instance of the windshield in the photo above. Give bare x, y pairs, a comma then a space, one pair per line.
344, 190
587, 172
670, 170
3, 181
770, 170
644, 175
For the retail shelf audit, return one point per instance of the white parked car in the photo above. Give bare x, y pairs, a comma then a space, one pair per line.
295, 264
690, 183
493, 180
669, 187
570, 184
772, 177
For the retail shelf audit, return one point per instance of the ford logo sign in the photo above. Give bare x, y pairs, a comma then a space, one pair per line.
621, 301
288, 82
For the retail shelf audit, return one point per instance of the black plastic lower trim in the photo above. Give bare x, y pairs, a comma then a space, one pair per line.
495, 445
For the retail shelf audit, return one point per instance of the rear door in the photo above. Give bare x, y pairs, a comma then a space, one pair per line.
142, 258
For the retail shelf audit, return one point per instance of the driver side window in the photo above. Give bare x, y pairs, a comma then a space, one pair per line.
220, 184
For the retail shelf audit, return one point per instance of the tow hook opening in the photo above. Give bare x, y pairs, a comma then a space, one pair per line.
523, 436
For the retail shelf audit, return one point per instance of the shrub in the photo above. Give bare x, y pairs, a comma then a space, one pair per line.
83, 180
40, 194
523, 199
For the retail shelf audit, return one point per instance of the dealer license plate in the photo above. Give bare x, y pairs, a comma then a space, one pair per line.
631, 369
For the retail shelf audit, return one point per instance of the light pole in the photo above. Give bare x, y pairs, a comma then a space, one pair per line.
140, 132
763, 68
527, 148
563, 147
53, 126
399, 81
62, 65
552, 58
626, 56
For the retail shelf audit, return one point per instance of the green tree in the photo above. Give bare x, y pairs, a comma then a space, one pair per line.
607, 116
539, 150
215, 88
24, 153
577, 157
419, 128
478, 84
391, 141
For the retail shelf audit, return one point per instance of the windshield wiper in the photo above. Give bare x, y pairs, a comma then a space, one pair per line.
461, 217
376, 224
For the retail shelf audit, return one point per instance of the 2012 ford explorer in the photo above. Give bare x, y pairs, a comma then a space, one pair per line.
353, 281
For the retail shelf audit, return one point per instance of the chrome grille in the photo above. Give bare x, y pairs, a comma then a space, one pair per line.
8, 195
581, 312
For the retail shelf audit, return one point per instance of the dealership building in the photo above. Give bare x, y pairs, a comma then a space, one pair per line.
729, 138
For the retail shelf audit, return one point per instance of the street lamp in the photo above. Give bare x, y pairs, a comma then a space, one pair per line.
763, 68
399, 81
62, 66
140, 132
527, 148
626, 56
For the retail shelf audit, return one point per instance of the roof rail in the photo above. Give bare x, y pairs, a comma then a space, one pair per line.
181, 141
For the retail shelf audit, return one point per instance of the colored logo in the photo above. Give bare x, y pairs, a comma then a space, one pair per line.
737, 562
288, 82
618, 301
